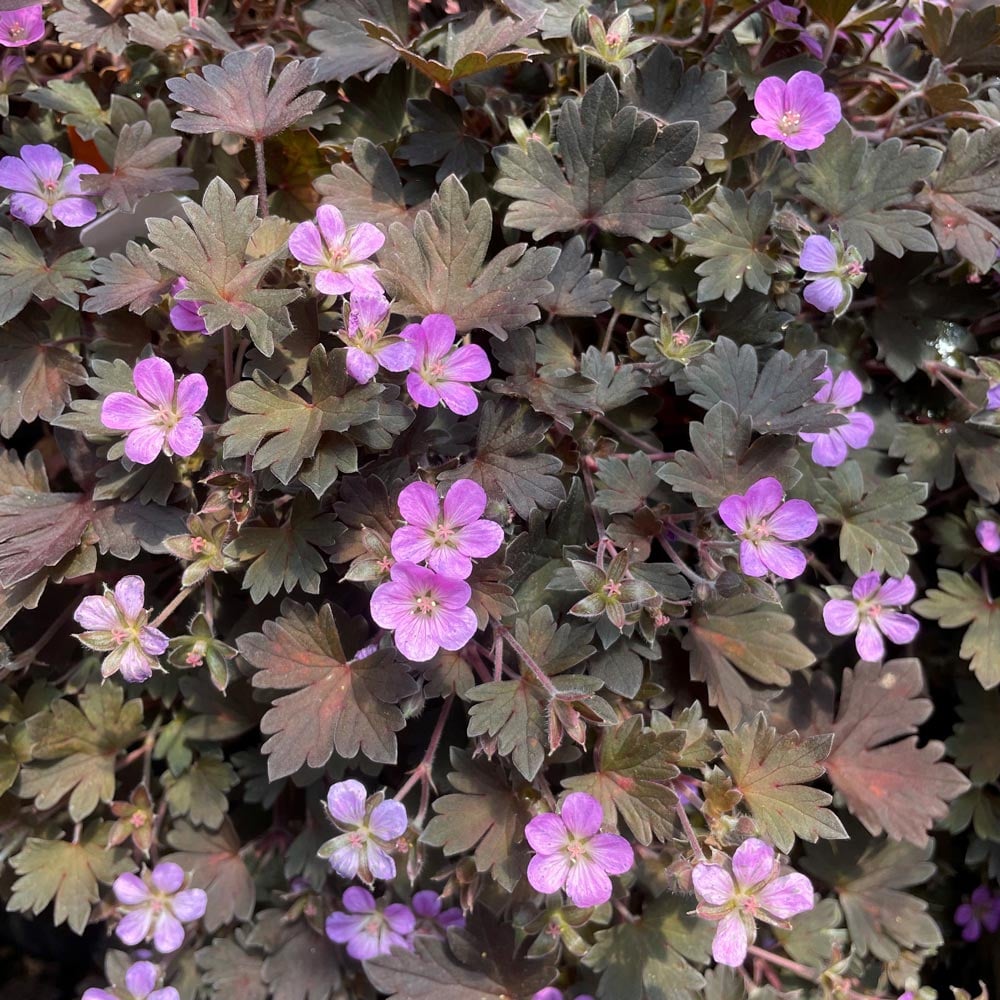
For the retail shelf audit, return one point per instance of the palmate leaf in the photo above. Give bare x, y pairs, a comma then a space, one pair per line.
930, 451
770, 770
733, 235
66, 874
238, 97
87, 23
975, 741
338, 704
35, 377
625, 487
958, 601
778, 399
301, 963
25, 273
132, 279
440, 267
440, 135
860, 189
345, 48
231, 971
577, 288
200, 792
210, 250
505, 465
631, 778
75, 101
620, 172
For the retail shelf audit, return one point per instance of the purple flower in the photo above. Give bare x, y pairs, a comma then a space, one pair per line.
367, 343
432, 920
370, 831
551, 993
988, 533
765, 525
829, 448
786, 18
157, 905
570, 853
993, 397
140, 984
440, 371
116, 624
338, 254
427, 610
798, 113
369, 929
870, 614
754, 891
46, 186
22, 27
162, 416
833, 272
446, 540
982, 910
184, 314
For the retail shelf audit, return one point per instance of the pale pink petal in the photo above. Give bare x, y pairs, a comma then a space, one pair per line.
818, 255
190, 904
869, 642
27, 208
96, 613
858, 430
823, 393
358, 900
121, 411
448, 561
546, 834
897, 627
547, 872
130, 890
395, 357
168, 877
130, 595
847, 390
400, 918
135, 665
419, 505
342, 927
458, 397
361, 366
74, 212
464, 502
306, 245
468, 364
763, 498
333, 283
750, 561
421, 392
613, 853
712, 884
346, 801
331, 226
587, 884
865, 586
345, 859
152, 641
829, 450
898, 592
582, 814
412, 544
44, 161
825, 294
734, 512
753, 862
144, 444
365, 241
841, 617
389, 820
787, 896
168, 934
391, 605
438, 333
793, 521
782, 560
16, 175
192, 391
154, 380
769, 97
415, 639
141, 978
454, 628
185, 436
134, 926
729, 947
363, 279
479, 539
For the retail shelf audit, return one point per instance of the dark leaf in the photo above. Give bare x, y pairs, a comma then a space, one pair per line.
87, 23
625, 487
440, 135
346, 48
301, 964
132, 279
577, 288
975, 741
230, 971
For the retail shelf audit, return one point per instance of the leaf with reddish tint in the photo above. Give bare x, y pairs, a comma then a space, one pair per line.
301, 963
130, 279
338, 704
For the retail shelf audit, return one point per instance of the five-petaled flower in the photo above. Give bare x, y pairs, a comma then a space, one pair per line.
140, 984
370, 829
833, 271
798, 113
22, 27
184, 313
116, 623
432, 919
572, 853
870, 613
754, 891
428, 611
44, 185
449, 539
982, 910
441, 372
338, 256
368, 346
765, 525
369, 928
161, 418
829, 448
551, 993
988, 535
157, 904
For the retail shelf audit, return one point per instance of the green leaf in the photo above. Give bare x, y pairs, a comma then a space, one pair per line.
230, 971
502, 464
345, 48
777, 400
975, 741
737, 635
860, 189
625, 487
284, 557
338, 704
620, 173
131, 279
577, 288
83, 745
618, 384
725, 461
733, 237
440, 266
970, 38
301, 963
633, 768
875, 524
663, 88
210, 251
25, 273
200, 792
770, 770
75, 101
960, 601
930, 451
66, 874
86, 23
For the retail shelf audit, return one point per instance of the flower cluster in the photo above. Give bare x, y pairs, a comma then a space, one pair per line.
428, 606
157, 906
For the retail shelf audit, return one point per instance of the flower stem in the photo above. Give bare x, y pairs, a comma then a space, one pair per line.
227, 356
258, 150
689, 832
171, 607
422, 772
526, 659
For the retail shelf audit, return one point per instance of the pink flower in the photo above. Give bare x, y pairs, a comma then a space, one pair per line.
829, 448
162, 416
427, 610
432, 920
116, 624
140, 984
571, 853
369, 929
798, 113
157, 905
46, 186
367, 343
338, 254
446, 540
869, 614
22, 27
988, 534
185, 314
370, 831
833, 271
441, 371
765, 525
754, 891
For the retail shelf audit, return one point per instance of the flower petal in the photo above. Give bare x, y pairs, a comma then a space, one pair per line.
388, 820
782, 560
96, 613
787, 896
825, 293
400, 918
458, 397
361, 366
547, 872
750, 561
898, 592
769, 97
141, 978
190, 904
346, 801
587, 884
793, 521
613, 853
185, 436
121, 411
865, 586
306, 245
729, 947
419, 505
763, 498
380, 863
168, 877
74, 212
358, 900
869, 642
168, 933
331, 226
734, 512
582, 814
449, 562
130, 890
897, 627
464, 502
192, 391
841, 617
818, 255
712, 884
846, 390
468, 364
829, 450
154, 380
753, 862
342, 927
144, 445
858, 430
437, 332
546, 834
365, 241
479, 539
134, 926
130, 595
411, 544
44, 161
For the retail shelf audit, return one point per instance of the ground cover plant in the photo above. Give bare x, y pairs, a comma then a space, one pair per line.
499, 500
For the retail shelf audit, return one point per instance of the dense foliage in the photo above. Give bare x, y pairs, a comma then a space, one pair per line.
499, 499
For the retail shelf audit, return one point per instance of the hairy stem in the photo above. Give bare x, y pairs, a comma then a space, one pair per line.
689, 832
422, 772
526, 659
181, 597
258, 150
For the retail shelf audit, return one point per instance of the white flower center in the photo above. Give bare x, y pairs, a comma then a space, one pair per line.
790, 122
